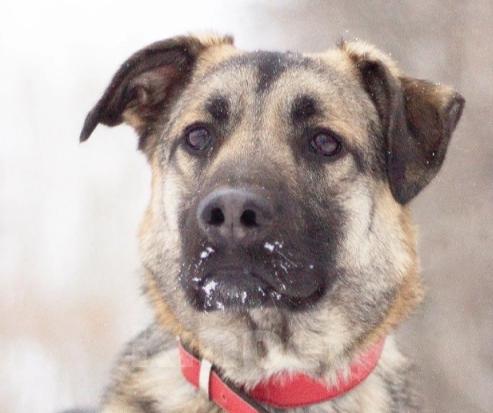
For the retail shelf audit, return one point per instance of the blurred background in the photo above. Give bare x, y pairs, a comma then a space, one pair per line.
69, 270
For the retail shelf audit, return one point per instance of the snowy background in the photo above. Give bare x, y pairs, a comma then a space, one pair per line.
69, 283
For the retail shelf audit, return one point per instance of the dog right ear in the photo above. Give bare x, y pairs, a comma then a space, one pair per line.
147, 82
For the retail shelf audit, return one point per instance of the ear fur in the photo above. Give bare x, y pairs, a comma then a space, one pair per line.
146, 83
417, 118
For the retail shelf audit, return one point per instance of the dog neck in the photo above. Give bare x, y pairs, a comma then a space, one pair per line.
282, 391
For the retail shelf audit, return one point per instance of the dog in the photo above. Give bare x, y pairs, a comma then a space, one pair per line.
278, 249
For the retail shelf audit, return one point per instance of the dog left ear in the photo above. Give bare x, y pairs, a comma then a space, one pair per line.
417, 117
147, 83
418, 145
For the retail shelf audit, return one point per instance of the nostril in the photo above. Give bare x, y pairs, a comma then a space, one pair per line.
249, 218
216, 217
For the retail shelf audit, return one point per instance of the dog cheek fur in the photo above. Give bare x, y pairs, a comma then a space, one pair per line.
159, 244
384, 274
377, 288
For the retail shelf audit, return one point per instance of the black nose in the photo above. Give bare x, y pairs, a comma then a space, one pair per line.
231, 216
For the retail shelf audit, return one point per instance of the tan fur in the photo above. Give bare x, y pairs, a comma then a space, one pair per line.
356, 50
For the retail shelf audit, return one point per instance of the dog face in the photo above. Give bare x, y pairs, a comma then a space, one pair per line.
278, 220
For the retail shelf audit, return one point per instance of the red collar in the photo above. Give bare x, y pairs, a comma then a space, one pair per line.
282, 391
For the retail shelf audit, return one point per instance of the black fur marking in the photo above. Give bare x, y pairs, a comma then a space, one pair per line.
218, 107
271, 66
372, 215
147, 405
259, 343
285, 333
304, 107
335, 407
401, 398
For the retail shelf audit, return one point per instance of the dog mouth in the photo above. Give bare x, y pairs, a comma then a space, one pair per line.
246, 287
234, 287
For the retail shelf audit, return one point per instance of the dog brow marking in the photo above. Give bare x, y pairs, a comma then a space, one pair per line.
304, 107
218, 107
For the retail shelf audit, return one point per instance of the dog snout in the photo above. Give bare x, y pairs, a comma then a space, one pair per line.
231, 216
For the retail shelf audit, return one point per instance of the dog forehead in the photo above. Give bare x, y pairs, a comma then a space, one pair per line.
260, 70
268, 77
267, 66
276, 86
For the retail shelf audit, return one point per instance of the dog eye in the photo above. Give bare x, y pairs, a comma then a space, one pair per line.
326, 143
198, 137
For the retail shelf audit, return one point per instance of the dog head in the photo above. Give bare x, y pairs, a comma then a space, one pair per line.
279, 193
